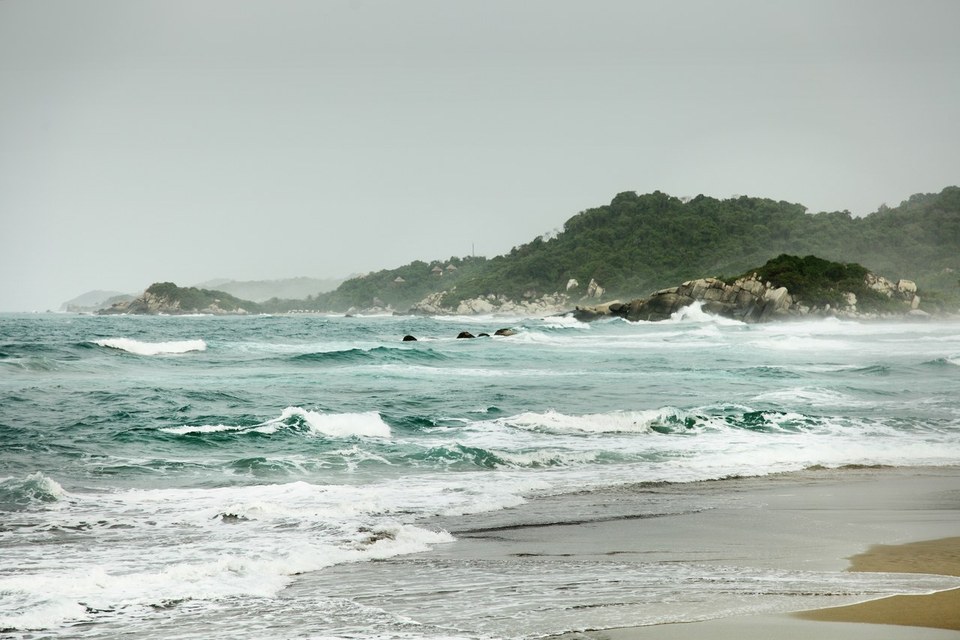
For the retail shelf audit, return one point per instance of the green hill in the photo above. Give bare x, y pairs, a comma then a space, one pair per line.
168, 298
639, 243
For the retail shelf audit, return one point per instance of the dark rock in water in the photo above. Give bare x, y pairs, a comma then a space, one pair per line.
484, 335
232, 518
465, 334
504, 332
409, 338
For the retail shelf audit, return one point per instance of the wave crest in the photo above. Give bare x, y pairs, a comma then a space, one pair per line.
665, 420
367, 424
152, 348
17, 494
613, 422
375, 355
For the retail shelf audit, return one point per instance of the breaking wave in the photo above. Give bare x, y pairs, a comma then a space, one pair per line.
152, 348
35, 489
368, 424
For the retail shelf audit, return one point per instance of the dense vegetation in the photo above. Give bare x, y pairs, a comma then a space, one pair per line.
818, 282
192, 299
639, 243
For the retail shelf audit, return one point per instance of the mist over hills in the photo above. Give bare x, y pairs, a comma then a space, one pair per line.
637, 244
640, 243
94, 300
263, 290
252, 290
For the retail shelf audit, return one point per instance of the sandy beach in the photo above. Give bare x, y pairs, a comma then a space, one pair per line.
936, 610
816, 520
884, 520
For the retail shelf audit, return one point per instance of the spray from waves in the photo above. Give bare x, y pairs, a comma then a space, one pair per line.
152, 348
695, 313
564, 322
368, 424
613, 422
669, 420
17, 494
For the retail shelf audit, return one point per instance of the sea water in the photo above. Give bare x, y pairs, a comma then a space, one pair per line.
242, 476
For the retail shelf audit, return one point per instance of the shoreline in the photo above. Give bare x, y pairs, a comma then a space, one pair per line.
940, 609
807, 521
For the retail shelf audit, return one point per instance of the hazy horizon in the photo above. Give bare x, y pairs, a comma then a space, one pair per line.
248, 140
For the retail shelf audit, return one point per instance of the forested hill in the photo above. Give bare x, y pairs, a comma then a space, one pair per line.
639, 243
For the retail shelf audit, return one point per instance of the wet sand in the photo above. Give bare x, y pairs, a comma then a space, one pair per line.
937, 610
506, 568
885, 520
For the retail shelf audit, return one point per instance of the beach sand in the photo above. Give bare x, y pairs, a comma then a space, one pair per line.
937, 610
811, 522
919, 617
818, 520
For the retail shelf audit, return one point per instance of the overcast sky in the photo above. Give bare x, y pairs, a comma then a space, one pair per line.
149, 140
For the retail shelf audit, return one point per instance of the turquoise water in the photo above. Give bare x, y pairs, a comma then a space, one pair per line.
191, 470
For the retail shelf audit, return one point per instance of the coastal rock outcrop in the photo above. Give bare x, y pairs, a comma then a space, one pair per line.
747, 299
547, 304
166, 298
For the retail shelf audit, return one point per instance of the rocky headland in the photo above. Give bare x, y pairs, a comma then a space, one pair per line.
751, 299
166, 298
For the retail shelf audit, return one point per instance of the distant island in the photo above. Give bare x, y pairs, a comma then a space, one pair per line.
256, 291
639, 244
169, 299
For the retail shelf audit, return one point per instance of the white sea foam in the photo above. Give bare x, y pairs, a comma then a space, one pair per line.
204, 428
32, 489
695, 313
613, 422
152, 348
564, 322
338, 425
335, 425
817, 397
244, 541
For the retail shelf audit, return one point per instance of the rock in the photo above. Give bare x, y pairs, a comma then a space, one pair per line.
658, 307
547, 304
594, 290
504, 332
776, 302
483, 335
907, 286
613, 308
572, 284
465, 334
409, 338
432, 305
475, 306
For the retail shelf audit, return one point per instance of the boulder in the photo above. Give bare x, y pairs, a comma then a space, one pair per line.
594, 290
409, 338
475, 306
504, 332
658, 306
465, 334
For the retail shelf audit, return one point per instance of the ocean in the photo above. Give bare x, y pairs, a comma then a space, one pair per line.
301, 475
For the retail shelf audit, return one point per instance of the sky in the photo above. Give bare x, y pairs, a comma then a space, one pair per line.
188, 140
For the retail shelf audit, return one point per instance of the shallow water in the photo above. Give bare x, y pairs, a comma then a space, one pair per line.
165, 476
